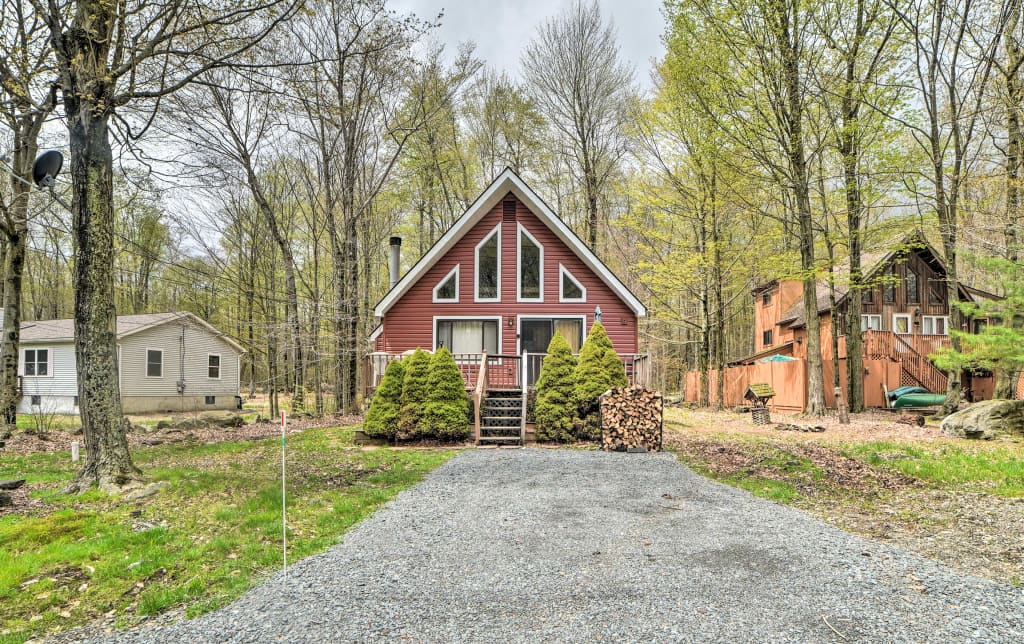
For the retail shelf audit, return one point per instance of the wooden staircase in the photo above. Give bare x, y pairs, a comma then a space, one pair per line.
915, 369
501, 417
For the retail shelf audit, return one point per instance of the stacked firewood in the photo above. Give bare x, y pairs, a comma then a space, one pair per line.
631, 419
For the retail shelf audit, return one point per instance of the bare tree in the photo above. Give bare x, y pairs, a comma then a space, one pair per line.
578, 82
27, 99
111, 57
954, 45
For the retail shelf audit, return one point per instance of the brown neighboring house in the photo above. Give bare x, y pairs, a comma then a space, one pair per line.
905, 317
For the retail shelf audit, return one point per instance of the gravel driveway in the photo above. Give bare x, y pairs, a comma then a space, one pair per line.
566, 545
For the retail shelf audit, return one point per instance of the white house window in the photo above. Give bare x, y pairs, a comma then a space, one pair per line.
488, 267
467, 336
154, 363
531, 267
213, 366
447, 290
872, 322
37, 362
935, 325
901, 323
570, 289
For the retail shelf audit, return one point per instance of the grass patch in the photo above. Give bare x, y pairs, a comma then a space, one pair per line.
994, 468
198, 544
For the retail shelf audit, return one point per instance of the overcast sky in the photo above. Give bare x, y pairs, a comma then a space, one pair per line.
501, 28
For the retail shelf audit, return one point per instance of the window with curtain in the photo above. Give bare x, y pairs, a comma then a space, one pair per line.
572, 331
468, 336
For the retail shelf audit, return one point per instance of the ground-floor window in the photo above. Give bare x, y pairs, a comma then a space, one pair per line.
211, 400
872, 322
37, 362
901, 323
935, 325
467, 336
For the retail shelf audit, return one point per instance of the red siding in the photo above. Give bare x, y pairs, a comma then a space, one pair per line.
409, 322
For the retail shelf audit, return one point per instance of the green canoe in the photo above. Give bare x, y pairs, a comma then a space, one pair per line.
918, 400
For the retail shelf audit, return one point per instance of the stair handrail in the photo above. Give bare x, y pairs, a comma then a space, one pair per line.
524, 365
923, 370
478, 395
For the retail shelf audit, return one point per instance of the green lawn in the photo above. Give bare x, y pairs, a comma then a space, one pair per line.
198, 544
995, 468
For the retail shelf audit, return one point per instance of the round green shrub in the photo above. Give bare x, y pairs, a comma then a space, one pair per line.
555, 408
414, 395
446, 412
382, 418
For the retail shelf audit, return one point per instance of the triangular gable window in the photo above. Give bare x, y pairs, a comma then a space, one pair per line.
570, 289
447, 290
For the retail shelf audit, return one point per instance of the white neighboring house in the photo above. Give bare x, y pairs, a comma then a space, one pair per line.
167, 362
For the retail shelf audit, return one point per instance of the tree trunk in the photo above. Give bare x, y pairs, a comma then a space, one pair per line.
108, 462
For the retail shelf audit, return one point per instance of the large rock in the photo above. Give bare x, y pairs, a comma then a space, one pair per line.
222, 419
987, 420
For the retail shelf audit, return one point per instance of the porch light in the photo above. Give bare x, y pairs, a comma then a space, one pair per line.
511, 322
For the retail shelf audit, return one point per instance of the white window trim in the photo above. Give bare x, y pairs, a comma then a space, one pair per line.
438, 300
220, 365
933, 318
910, 322
868, 316
439, 318
519, 326
476, 267
563, 271
520, 231
49, 362
145, 366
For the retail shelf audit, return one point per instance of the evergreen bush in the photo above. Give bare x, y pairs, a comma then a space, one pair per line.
382, 418
555, 409
446, 412
414, 395
599, 370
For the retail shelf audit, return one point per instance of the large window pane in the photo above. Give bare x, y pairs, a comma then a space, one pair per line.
487, 269
468, 336
572, 331
529, 267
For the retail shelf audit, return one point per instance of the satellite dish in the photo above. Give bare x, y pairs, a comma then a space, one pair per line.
46, 168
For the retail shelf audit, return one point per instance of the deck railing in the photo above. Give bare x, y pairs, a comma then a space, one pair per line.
499, 371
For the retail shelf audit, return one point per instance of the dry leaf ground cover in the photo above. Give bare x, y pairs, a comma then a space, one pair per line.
213, 532
959, 502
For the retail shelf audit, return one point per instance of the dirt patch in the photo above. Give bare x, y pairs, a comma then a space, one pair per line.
60, 441
977, 533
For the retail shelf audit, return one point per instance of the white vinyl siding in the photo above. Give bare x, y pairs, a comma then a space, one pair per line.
60, 380
200, 343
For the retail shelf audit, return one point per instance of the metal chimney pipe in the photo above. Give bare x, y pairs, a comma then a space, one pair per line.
396, 253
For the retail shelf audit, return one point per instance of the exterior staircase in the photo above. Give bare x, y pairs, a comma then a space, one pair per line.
915, 369
501, 417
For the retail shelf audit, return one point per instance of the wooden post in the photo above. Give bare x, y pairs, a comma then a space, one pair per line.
524, 369
478, 396
844, 413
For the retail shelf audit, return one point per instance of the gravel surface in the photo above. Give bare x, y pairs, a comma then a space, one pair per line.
564, 545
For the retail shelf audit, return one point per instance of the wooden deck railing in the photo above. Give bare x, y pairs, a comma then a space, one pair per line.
880, 345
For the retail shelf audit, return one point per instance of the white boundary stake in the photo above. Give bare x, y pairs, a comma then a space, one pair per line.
284, 520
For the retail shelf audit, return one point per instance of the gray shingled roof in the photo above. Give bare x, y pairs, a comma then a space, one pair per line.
65, 329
